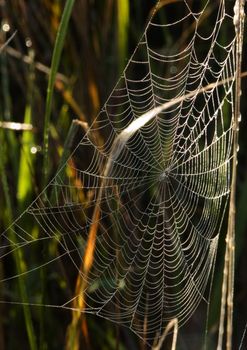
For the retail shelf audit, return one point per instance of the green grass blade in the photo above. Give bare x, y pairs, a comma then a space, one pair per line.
123, 26
54, 68
18, 258
9, 145
25, 183
24, 186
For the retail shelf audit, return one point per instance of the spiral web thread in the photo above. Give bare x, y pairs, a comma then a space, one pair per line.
160, 184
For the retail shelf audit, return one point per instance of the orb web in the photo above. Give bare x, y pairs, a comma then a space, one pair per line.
153, 185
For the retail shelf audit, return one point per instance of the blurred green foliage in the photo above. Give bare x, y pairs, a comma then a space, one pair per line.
97, 43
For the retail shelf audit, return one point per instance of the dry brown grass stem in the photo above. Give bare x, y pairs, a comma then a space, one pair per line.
173, 324
229, 264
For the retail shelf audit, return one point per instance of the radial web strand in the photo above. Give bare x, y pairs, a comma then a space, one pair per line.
154, 188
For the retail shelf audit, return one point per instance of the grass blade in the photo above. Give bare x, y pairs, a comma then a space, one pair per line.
123, 26
54, 67
25, 182
18, 258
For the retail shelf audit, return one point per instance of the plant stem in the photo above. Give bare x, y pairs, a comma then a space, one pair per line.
229, 265
59, 43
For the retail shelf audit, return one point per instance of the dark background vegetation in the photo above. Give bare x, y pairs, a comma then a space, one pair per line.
100, 38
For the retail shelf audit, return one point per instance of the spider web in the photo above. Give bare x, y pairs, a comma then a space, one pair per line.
153, 183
